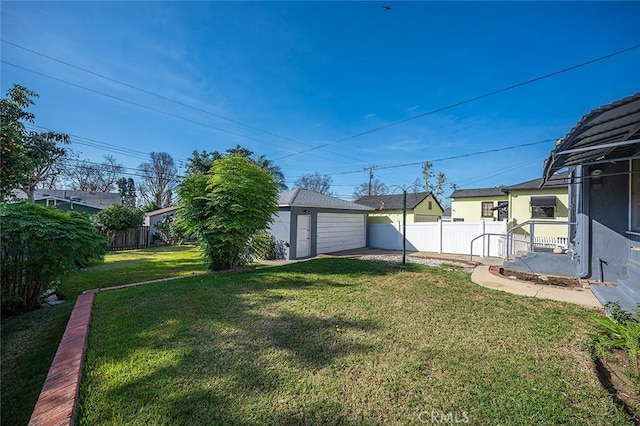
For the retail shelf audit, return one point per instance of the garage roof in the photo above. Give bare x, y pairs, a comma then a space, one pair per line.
607, 133
304, 198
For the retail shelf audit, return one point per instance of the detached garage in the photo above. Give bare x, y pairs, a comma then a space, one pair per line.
310, 223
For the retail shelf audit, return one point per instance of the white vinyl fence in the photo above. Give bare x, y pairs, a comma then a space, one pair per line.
441, 237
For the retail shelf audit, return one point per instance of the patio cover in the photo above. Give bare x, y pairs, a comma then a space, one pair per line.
611, 132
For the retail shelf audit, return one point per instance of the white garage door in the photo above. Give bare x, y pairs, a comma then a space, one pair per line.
341, 231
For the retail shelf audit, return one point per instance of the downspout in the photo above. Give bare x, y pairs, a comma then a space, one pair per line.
583, 234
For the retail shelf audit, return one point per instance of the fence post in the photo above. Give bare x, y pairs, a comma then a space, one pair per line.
440, 238
483, 239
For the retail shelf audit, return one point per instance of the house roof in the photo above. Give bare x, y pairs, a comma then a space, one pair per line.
559, 180
161, 211
100, 200
394, 201
304, 198
69, 201
606, 133
447, 212
478, 192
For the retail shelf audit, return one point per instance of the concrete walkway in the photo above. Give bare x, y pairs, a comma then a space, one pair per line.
483, 276
581, 296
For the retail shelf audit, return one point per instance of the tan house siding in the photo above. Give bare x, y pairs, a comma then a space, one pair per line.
470, 209
428, 210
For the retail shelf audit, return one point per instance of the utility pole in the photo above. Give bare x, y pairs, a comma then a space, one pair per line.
371, 169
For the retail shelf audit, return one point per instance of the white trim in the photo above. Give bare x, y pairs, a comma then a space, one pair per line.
601, 146
632, 232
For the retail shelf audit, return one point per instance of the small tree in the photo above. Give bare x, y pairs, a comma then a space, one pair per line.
170, 229
437, 187
127, 190
38, 246
226, 207
315, 182
28, 159
118, 217
377, 188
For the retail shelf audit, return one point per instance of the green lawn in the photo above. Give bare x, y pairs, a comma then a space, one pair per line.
29, 341
338, 341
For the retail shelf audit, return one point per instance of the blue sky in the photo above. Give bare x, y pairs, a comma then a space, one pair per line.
315, 73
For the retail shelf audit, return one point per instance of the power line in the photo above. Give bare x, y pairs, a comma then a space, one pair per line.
455, 157
137, 104
148, 92
469, 100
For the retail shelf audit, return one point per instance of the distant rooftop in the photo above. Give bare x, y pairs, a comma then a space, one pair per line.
394, 201
304, 198
559, 180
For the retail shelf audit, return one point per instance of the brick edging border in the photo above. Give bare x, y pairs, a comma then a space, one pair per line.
58, 398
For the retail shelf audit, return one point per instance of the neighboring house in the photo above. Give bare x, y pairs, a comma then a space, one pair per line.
101, 200
153, 217
309, 223
68, 204
421, 207
520, 203
67, 199
602, 153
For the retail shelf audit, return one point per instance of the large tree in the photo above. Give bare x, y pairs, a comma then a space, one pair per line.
97, 177
315, 182
28, 159
226, 207
202, 161
158, 179
377, 188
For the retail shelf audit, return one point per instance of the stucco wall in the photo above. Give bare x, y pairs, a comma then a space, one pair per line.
520, 211
280, 228
470, 209
607, 221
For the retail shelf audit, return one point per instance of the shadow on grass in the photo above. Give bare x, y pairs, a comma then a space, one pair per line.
231, 338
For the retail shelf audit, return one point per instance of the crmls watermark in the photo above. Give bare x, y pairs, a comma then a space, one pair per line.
442, 417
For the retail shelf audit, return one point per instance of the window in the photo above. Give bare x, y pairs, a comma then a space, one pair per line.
430, 205
543, 207
634, 199
487, 209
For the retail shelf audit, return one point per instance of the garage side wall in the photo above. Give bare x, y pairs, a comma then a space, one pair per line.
281, 230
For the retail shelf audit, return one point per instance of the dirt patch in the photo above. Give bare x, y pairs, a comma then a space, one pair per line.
610, 371
542, 279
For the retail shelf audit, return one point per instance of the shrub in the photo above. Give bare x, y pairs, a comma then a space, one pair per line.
170, 230
264, 246
619, 331
226, 207
118, 217
40, 245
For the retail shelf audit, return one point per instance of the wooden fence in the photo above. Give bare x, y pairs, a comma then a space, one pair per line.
129, 239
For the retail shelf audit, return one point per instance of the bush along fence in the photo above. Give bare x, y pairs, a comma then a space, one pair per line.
128, 239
